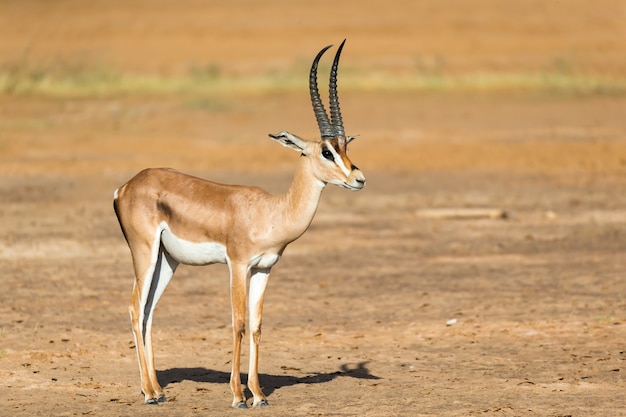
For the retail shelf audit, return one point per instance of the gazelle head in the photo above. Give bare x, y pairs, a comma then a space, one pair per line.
328, 154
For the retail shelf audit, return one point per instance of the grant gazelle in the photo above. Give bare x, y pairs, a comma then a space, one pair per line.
169, 218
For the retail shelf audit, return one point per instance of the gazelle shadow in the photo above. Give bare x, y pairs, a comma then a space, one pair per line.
270, 383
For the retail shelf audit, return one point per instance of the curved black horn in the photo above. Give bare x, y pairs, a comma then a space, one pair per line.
335, 111
326, 129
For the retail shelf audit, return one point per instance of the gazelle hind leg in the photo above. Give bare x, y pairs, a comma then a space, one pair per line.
146, 295
136, 322
164, 270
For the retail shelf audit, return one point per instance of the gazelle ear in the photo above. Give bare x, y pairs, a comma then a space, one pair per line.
351, 138
290, 141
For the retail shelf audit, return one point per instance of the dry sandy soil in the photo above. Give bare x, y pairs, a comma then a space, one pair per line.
377, 310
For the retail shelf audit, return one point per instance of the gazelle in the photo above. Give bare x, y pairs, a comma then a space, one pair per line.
169, 218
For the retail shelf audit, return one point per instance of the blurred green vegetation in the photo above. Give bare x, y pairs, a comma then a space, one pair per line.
76, 80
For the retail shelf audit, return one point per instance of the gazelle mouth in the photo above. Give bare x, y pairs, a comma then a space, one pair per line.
359, 186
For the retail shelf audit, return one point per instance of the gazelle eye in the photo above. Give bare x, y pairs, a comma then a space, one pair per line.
328, 154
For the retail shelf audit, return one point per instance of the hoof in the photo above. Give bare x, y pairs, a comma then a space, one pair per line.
156, 401
262, 403
241, 404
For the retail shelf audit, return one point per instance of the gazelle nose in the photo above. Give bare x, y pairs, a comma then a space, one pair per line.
359, 178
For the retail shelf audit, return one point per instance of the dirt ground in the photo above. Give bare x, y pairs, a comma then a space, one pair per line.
377, 310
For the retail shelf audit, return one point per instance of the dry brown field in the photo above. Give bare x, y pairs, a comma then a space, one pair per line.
378, 310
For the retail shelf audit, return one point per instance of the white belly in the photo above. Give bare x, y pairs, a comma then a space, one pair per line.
191, 253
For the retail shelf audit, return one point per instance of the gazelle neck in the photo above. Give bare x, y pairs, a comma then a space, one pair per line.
299, 204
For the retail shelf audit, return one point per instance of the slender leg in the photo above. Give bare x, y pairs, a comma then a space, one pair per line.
146, 295
135, 318
258, 283
164, 271
238, 278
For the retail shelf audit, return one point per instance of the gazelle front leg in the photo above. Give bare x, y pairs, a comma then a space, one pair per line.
238, 281
258, 282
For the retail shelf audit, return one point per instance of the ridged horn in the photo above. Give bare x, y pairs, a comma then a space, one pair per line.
335, 111
326, 129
